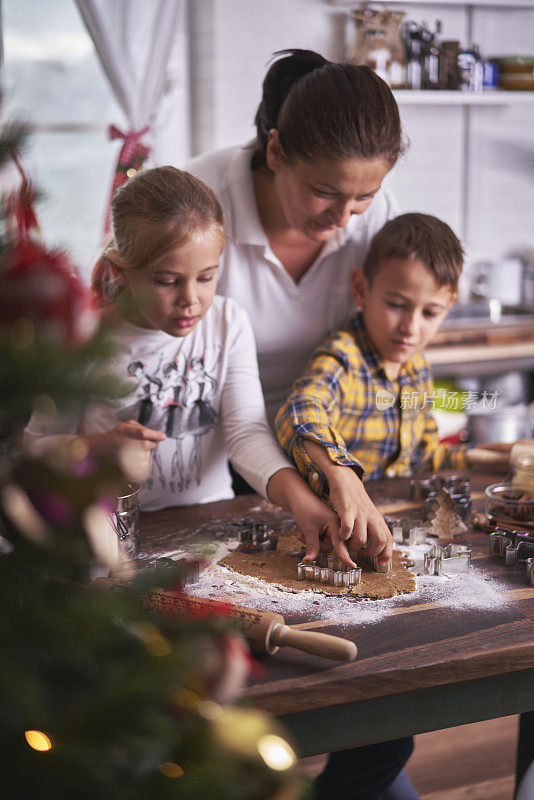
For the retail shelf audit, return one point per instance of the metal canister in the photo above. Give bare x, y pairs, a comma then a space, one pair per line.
126, 519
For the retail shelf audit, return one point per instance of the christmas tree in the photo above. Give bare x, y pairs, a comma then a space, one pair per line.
101, 696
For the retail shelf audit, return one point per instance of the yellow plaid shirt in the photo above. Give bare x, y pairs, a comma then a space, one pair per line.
345, 402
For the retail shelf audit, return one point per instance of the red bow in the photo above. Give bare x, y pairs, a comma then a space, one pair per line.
131, 141
131, 158
20, 203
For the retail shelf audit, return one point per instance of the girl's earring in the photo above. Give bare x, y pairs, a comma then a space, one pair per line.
112, 280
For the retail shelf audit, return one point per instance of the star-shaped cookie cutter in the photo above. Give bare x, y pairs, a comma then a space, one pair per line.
451, 559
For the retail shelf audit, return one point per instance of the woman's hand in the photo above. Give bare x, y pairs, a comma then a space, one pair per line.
361, 524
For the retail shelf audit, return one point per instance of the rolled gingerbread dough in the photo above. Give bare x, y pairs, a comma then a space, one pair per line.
280, 566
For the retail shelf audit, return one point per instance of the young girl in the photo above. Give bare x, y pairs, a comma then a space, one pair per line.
189, 357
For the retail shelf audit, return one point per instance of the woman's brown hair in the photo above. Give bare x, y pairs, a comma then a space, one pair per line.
323, 109
153, 213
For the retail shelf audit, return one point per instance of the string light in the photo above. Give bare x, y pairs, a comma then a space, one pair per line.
79, 449
171, 770
276, 752
38, 740
185, 698
209, 710
155, 643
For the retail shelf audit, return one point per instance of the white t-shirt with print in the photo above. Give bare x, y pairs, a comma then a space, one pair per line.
203, 392
289, 319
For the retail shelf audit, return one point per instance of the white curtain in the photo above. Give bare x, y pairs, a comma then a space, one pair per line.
133, 40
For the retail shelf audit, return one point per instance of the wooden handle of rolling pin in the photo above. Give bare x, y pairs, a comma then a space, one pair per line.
320, 644
265, 631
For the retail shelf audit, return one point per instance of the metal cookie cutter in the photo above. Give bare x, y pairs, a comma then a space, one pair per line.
371, 562
329, 569
420, 488
514, 546
451, 559
407, 531
253, 537
190, 568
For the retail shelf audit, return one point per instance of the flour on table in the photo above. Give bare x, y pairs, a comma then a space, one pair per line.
472, 590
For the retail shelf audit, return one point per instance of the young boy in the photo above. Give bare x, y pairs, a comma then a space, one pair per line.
363, 404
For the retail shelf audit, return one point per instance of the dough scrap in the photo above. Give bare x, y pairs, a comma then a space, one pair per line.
280, 566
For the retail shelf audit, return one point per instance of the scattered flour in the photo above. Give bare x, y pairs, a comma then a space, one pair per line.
210, 543
464, 591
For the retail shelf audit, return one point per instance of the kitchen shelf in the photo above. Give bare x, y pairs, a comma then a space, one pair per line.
455, 98
469, 361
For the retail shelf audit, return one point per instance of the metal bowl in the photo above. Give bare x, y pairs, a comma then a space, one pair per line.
501, 426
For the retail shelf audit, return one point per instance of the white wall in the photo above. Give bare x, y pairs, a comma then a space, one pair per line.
231, 42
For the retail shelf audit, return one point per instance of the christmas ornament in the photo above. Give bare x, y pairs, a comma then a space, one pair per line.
39, 288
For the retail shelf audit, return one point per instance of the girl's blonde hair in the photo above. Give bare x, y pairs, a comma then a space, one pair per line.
155, 212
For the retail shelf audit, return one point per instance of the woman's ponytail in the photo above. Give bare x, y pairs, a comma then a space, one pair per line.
282, 75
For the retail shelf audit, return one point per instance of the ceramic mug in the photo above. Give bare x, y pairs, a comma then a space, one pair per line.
499, 280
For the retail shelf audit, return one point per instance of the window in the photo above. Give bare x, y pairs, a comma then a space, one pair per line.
52, 79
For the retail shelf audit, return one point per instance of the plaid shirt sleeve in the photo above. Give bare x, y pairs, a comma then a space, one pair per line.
312, 412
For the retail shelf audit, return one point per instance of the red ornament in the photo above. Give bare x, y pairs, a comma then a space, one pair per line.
41, 286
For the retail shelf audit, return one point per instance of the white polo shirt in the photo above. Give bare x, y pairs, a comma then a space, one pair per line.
289, 319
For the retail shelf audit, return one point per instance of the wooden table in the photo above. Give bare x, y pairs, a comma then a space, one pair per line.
422, 667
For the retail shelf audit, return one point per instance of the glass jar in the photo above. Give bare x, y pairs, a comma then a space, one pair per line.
523, 472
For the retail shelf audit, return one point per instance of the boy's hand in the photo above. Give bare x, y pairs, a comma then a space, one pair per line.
318, 523
362, 525
319, 526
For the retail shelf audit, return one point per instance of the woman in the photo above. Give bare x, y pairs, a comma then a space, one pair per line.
301, 205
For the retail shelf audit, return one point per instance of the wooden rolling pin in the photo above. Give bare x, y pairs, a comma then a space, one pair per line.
265, 631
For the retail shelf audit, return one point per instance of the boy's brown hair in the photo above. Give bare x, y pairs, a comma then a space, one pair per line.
422, 237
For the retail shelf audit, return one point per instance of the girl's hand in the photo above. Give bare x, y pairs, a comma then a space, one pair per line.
132, 443
123, 434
